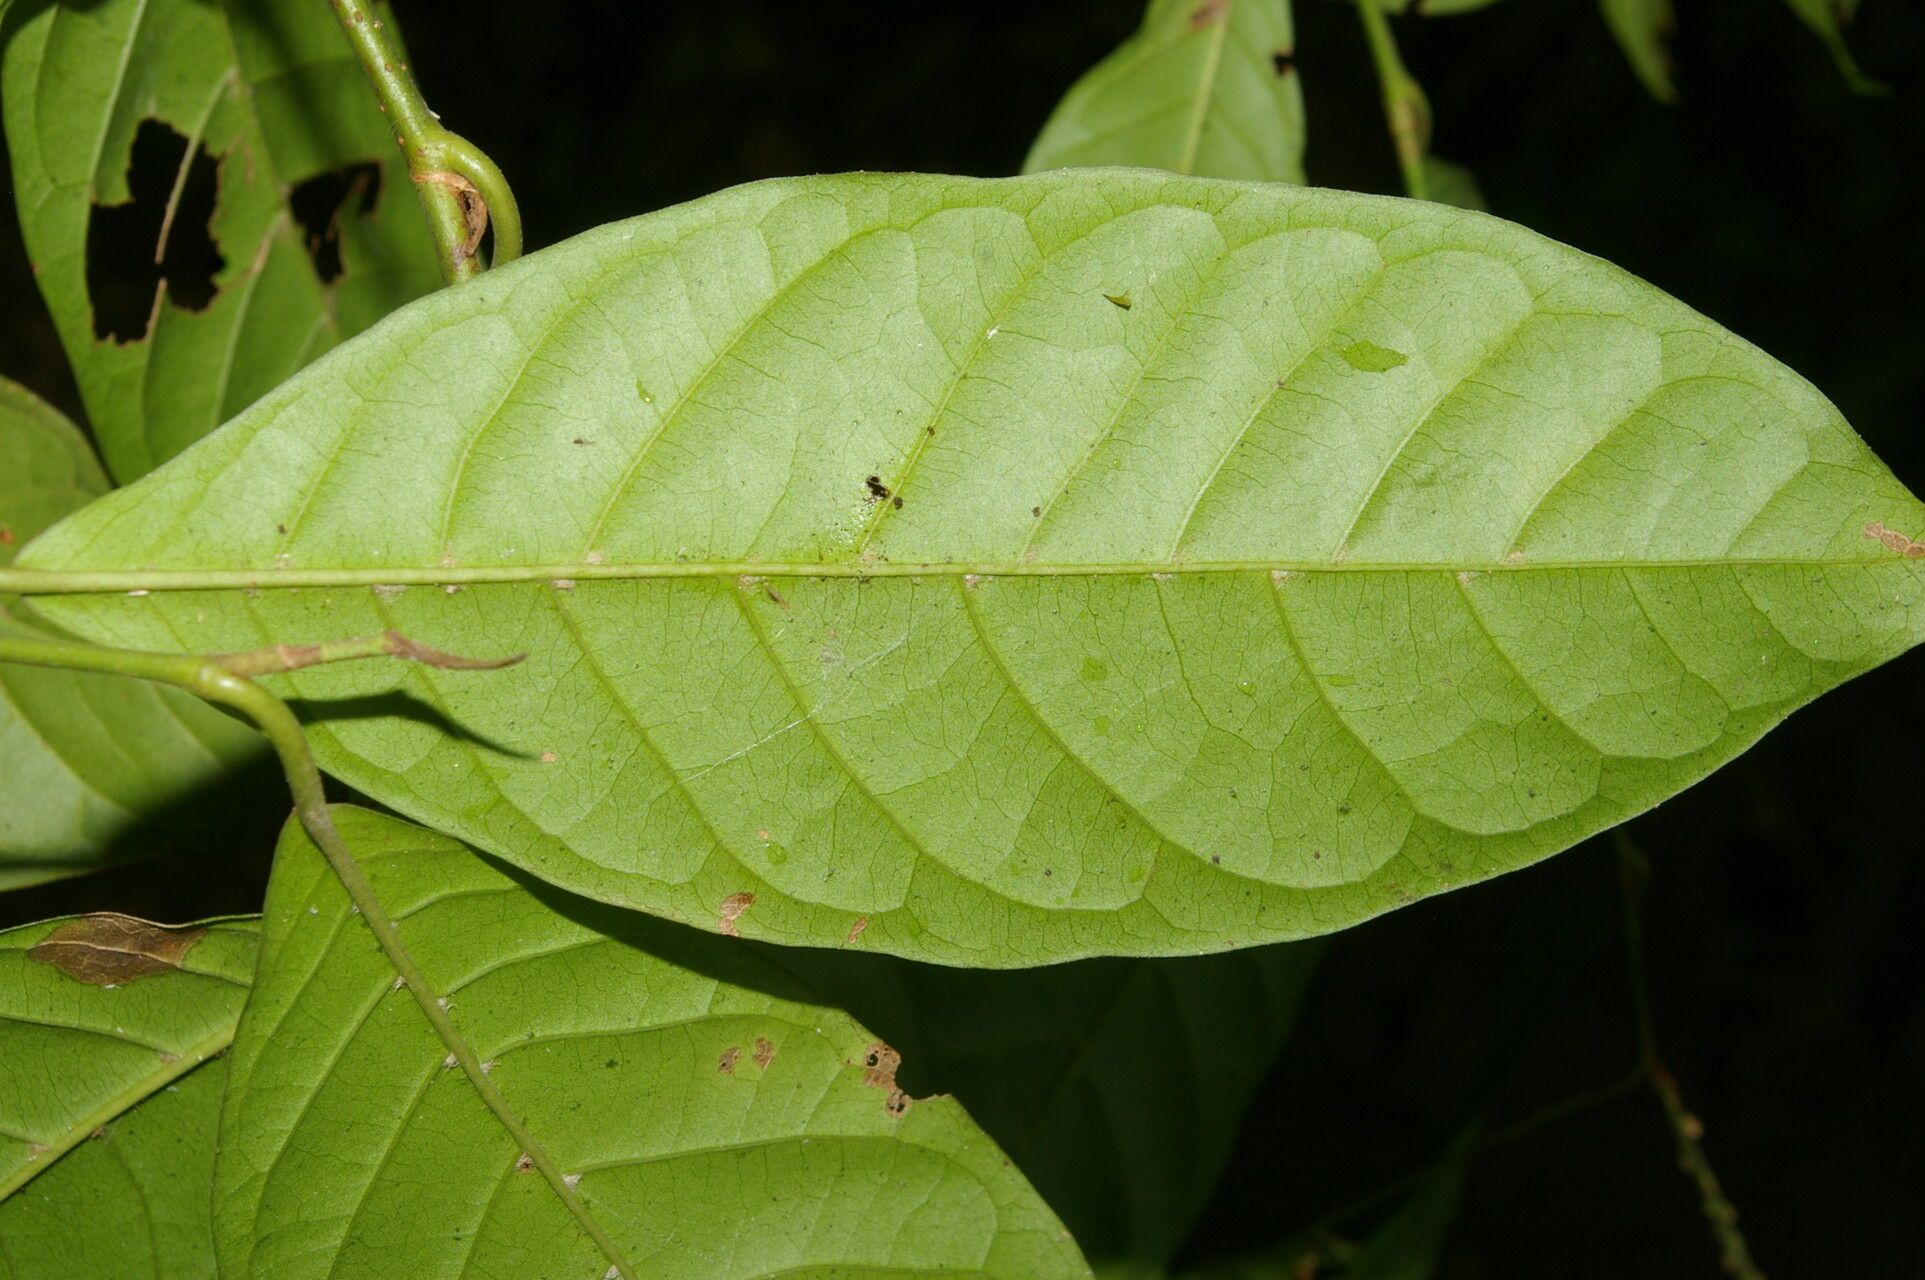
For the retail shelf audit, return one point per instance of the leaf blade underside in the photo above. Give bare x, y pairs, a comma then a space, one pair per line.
712, 1117
1375, 549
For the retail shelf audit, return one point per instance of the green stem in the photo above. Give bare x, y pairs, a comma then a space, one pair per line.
223, 679
462, 191
1406, 110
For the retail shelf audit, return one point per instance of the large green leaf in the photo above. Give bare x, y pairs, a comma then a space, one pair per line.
269, 90
1204, 86
1118, 1086
98, 1013
713, 1118
1375, 548
92, 768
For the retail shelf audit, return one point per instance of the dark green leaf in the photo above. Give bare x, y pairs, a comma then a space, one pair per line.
93, 765
1118, 1086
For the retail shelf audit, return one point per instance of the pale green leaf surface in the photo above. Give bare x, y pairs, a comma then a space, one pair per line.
89, 764
1643, 30
134, 1204
269, 88
1200, 624
74, 1055
721, 1122
1204, 87
1118, 1086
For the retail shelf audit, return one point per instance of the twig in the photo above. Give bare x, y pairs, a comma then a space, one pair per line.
1686, 1129
1406, 110
461, 189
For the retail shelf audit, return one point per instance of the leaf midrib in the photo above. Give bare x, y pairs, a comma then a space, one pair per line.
42, 582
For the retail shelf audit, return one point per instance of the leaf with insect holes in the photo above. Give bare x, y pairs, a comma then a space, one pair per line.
1202, 623
1204, 86
691, 1109
210, 197
97, 768
99, 1015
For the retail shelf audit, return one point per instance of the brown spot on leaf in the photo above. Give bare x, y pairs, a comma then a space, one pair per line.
877, 489
1910, 548
1283, 62
879, 1064
730, 1056
764, 1052
1208, 13
107, 949
6, 537
855, 930
732, 908
524, 1162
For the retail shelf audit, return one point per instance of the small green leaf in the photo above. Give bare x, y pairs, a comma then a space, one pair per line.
95, 767
1448, 182
708, 1113
1828, 18
1118, 1086
1367, 357
1643, 30
1176, 632
1204, 86
98, 1013
260, 126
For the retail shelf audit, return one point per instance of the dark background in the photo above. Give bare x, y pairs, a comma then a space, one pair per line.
1784, 893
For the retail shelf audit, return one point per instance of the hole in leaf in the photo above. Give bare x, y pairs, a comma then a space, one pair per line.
324, 202
1283, 62
161, 237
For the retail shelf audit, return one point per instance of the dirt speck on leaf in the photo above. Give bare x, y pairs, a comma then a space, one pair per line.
732, 908
878, 491
107, 949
